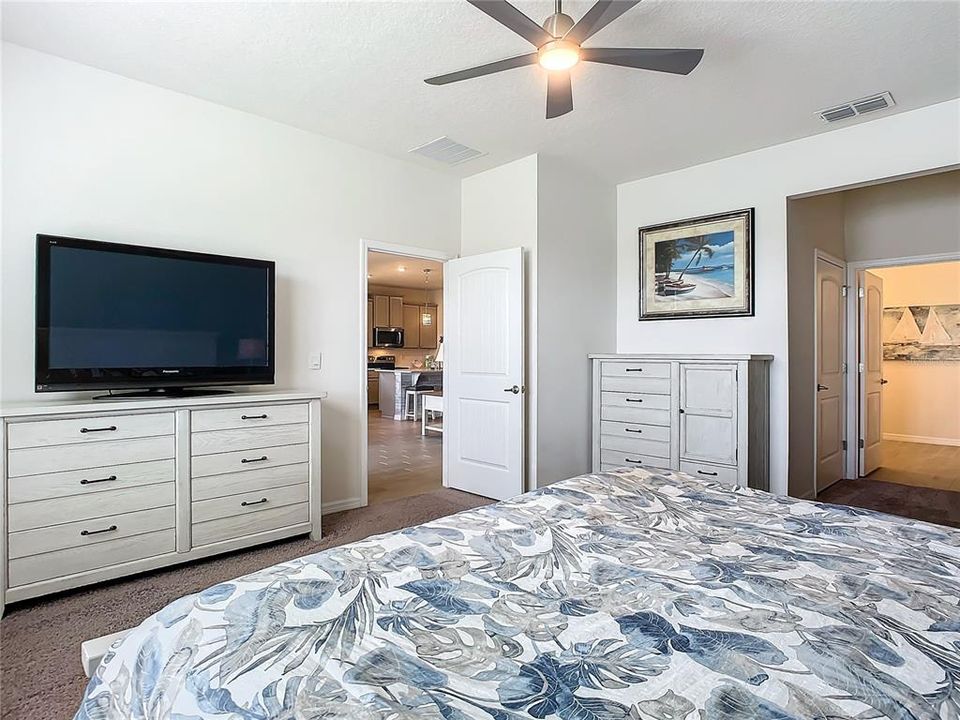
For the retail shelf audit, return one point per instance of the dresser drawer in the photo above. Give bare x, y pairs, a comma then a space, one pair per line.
635, 407
647, 385
637, 369
256, 459
40, 460
41, 433
222, 441
618, 458
244, 417
249, 481
71, 535
634, 430
706, 471
249, 503
41, 513
639, 446
236, 526
28, 488
36, 568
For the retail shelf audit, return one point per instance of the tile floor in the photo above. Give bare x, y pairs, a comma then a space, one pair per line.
401, 462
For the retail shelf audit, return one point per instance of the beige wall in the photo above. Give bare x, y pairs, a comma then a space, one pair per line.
921, 401
814, 223
918, 216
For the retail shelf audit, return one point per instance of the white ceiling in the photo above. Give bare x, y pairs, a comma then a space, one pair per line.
384, 269
355, 70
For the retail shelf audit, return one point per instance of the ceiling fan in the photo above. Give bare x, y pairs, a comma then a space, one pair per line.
559, 43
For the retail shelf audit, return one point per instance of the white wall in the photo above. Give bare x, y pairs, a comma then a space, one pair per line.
916, 216
498, 210
576, 297
901, 144
92, 154
921, 401
814, 223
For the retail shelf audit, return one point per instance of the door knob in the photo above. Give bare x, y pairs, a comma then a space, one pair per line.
821, 387
515, 389
883, 382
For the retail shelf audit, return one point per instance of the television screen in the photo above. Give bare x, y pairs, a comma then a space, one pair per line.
111, 315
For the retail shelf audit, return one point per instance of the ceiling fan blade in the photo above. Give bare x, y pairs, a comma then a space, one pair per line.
480, 70
598, 17
507, 15
559, 94
679, 61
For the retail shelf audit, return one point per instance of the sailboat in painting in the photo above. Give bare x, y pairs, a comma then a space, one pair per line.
923, 332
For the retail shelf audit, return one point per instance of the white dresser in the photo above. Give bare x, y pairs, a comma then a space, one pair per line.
705, 415
93, 491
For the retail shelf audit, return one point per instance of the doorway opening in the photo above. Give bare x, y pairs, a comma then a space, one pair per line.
874, 303
403, 302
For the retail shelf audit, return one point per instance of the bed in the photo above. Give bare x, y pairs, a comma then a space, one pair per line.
608, 596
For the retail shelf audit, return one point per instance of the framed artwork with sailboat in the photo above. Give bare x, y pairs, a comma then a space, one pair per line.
921, 332
700, 267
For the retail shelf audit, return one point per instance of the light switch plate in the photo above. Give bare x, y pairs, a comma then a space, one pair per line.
315, 361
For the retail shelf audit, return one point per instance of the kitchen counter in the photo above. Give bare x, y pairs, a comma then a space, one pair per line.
391, 389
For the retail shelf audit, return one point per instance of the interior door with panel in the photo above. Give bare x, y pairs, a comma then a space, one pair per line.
829, 374
483, 374
871, 371
708, 413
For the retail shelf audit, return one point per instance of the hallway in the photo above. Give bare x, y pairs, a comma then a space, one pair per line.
401, 462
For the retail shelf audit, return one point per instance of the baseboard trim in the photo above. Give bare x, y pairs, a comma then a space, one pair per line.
953, 442
341, 505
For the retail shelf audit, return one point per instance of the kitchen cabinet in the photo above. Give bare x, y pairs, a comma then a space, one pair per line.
428, 327
387, 311
370, 324
411, 326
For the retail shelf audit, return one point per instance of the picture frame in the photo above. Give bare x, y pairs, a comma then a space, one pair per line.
701, 267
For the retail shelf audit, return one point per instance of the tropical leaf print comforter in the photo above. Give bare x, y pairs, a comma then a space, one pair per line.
604, 597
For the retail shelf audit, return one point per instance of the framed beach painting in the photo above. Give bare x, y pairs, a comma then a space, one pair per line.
701, 267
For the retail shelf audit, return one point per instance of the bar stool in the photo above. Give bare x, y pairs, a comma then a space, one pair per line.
411, 401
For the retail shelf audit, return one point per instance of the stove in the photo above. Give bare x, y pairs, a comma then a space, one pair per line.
381, 362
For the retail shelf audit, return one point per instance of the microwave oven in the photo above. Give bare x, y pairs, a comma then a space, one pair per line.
388, 337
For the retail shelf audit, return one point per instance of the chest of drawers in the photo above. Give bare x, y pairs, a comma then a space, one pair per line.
96, 491
705, 415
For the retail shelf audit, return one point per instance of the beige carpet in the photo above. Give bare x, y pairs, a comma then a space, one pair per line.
40, 673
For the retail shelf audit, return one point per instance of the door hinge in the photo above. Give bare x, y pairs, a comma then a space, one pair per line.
861, 443
844, 289
843, 444
861, 293
861, 367
843, 368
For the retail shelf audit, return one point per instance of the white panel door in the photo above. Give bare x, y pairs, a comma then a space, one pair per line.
483, 374
708, 413
829, 374
871, 375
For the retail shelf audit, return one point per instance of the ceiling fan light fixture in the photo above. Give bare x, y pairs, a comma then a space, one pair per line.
558, 55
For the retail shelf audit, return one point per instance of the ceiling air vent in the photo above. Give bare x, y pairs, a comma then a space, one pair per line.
447, 151
870, 104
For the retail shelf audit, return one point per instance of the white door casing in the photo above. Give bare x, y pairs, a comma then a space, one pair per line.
483, 374
829, 429
871, 367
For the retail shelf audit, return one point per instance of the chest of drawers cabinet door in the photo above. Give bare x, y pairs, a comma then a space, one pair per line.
95, 491
705, 415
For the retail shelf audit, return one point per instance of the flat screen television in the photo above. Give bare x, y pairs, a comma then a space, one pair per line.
115, 316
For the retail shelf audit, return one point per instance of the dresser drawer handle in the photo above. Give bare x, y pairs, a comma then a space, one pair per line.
111, 428
98, 480
704, 472
634, 399
631, 460
97, 532
633, 430
255, 502
634, 369
250, 460
254, 417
